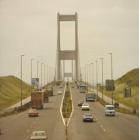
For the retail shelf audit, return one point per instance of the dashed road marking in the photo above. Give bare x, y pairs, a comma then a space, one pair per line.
102, 127
62, 105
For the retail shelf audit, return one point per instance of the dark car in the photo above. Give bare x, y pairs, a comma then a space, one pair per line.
91, 97
80, 103
88, 117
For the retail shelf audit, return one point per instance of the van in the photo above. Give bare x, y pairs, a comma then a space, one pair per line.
109, 110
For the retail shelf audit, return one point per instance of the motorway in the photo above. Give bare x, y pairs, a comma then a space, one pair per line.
120, 127
20, 126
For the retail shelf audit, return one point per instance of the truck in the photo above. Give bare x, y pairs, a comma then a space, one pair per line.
82, 88
37, 99
49, 91
46, 97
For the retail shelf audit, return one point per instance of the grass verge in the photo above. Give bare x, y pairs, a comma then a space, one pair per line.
67, 103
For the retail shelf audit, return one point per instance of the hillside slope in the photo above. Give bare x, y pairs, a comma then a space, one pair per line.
10, 91
131, 77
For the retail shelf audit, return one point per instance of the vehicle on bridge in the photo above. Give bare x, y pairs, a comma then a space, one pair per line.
33, 113
80, 103
37, 99
39, 135
88, 117
90, 96
110, 110
85, 106
82, 88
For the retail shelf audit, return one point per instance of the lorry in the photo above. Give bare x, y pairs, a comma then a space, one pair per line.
82, 88
37, 99
49, 91
46, 97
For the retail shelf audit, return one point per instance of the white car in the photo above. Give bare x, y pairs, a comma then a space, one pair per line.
109, 110
39, 135
85, 106
59, 92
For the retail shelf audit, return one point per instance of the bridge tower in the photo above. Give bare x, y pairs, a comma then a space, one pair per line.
67, 54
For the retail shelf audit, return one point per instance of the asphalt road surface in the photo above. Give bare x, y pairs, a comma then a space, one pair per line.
20, 126
120, 127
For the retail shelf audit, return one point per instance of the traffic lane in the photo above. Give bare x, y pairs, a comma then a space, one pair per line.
78, 129
20, 126
122, 126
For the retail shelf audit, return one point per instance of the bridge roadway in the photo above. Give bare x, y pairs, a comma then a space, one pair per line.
120, 127
20, 126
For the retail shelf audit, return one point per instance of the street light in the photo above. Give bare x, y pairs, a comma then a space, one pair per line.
97, 78
111, 73
31, 73
92, 75
21, 80
41, 74
102, 76
37, 69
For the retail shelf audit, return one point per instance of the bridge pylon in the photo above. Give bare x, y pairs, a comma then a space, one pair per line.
72, 55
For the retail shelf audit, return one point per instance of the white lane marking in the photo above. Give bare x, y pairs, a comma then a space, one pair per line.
72, 109
102, 127
62, 105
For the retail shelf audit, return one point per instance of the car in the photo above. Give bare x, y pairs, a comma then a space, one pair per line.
110, 110
88, 117
39, 135
80, 103
33, 113
59, 92
85, 106
61, 86
90, 97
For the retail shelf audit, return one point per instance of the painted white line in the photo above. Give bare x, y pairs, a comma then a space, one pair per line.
72, 108
102, 127
62, 105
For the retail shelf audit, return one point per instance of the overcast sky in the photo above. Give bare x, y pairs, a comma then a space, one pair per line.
30, 27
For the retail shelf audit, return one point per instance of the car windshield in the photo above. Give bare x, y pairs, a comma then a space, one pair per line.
110, 108
88, 115
85, 104
39, 134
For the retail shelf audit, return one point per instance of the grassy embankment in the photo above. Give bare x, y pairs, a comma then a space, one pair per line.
67, 103
10, 91
132, 77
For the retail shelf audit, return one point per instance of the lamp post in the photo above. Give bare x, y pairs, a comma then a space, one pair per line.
44, 75
37, 69
21, 80
111, 73
102, 76
97, 78
92, 75
41, 74
31, 74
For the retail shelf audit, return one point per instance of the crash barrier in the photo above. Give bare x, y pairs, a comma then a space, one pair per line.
15, 110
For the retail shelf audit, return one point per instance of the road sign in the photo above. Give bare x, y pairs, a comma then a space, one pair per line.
110, 85
35, 82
